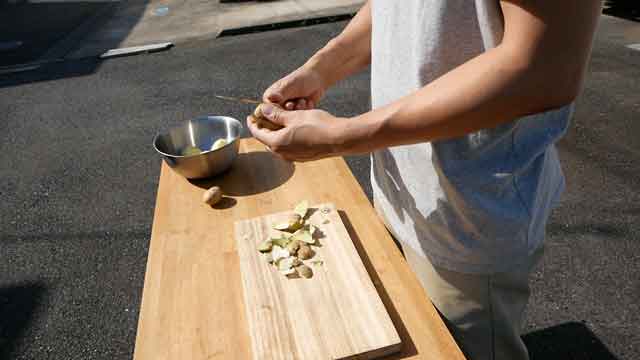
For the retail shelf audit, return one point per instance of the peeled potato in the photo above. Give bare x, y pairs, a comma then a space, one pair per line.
218, 144
190, 150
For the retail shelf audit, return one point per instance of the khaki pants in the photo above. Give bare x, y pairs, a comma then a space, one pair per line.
483, 312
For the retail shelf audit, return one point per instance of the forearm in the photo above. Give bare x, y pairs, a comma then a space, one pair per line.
539, 66
349, 52
483, 93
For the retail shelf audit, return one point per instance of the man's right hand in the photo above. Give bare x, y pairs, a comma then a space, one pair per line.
300, 90
344, 55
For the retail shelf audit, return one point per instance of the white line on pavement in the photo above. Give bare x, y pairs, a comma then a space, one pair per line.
136, 50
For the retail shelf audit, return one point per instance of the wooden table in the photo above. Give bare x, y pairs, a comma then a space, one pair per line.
192, 304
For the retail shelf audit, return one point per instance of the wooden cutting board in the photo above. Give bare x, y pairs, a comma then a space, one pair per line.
336, 314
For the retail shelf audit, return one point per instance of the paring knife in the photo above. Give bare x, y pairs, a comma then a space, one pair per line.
237, 99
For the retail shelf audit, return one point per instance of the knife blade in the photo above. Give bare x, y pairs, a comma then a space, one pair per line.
238, 99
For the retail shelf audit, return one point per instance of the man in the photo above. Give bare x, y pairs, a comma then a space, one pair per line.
468, 98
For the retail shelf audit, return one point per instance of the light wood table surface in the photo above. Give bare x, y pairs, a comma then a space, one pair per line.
192, 303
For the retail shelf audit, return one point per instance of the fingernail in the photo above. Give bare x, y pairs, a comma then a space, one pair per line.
275, 97
267, 110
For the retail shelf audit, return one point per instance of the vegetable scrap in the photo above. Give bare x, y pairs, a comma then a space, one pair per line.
292, 244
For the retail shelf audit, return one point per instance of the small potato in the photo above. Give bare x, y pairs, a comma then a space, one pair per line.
293, 247
212, 196
305, 252
257, 113
304, 271
263, 122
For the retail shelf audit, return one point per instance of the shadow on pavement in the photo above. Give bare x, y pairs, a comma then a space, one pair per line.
572, 340
28, 29
46, 33
18, 303
626, 9
52, 71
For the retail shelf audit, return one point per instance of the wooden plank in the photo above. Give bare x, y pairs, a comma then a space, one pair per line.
335, 314
192, 302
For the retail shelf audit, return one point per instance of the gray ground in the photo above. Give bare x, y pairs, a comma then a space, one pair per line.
79, 178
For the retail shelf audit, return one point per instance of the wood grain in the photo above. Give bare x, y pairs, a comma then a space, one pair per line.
192, 302
335, 314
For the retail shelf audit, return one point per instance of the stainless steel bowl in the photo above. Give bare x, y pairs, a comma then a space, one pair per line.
201, 132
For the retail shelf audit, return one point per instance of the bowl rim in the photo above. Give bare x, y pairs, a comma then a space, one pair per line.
204, 117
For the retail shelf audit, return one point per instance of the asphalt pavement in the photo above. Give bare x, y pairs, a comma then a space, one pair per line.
79, 179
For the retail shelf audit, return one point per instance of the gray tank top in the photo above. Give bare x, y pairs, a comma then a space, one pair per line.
478, 203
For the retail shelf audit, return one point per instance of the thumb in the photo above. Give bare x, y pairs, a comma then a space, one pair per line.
275, 114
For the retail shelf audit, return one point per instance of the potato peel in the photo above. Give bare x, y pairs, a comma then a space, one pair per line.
287, 272
278, 253
303, 235
285, 263
282, 241
292, 224
290, 243
302, 209
284, 226
265, 246
312, 230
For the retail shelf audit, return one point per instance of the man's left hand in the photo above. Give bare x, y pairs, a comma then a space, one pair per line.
306, 134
